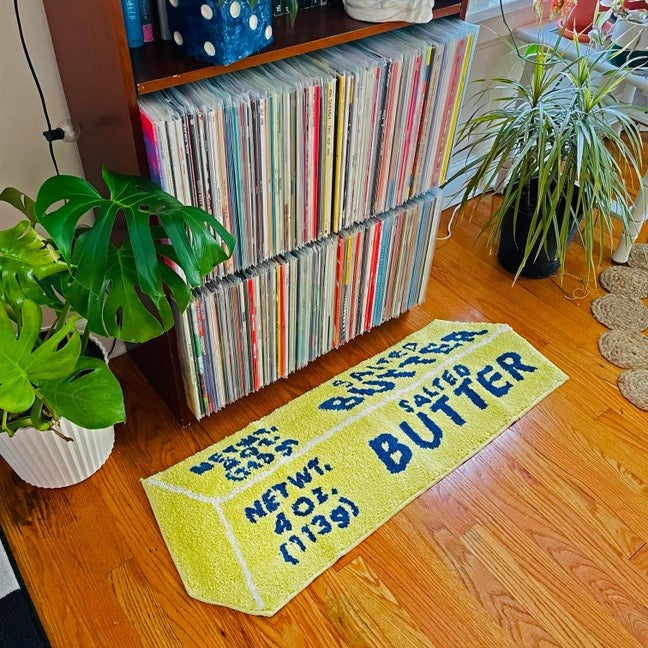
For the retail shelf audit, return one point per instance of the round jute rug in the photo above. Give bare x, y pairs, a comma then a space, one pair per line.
625, 349
623, 280
620, 312
633, 385
626, 315
639, 256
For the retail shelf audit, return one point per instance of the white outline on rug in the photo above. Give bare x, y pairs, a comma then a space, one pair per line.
217, 502
179, 490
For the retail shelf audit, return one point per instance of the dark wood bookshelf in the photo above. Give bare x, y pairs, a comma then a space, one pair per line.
102, 79
160, 65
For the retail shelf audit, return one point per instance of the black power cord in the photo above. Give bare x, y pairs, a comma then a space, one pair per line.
50, 134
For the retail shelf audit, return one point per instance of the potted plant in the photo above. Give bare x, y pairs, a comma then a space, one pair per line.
58, 403
560, 142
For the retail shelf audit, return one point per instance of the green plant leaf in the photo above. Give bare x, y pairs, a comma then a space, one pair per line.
90, 395
25, 257
292, 7
137, 270
531, 50
25, 364
122, 311
22, 202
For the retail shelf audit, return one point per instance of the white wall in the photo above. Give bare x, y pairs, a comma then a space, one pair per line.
493, 58
24, 157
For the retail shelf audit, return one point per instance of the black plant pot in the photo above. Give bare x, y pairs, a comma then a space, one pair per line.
542, 261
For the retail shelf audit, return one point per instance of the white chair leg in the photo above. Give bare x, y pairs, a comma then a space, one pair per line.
638, 215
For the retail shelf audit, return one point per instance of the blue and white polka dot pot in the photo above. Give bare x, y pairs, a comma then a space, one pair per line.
220, 32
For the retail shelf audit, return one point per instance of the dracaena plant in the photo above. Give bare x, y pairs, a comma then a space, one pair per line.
121, 277
562, 145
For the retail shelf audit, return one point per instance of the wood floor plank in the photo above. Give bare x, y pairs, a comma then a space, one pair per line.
573, 626
589, 372
540, 540
525, 536
618, 449
521, 626
563, 496
586, 556
584, 463
406, 561
140, 606
640, 559
365, 613
627, 426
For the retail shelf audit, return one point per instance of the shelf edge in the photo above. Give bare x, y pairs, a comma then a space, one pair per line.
162, 83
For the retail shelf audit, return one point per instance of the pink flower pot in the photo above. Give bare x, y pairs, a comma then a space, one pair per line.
580, 20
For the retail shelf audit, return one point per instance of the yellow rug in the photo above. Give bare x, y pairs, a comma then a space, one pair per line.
256, 517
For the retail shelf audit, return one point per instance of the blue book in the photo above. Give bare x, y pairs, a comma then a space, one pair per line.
147, 20
133, 23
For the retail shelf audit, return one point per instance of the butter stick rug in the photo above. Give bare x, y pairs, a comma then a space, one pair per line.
255, 518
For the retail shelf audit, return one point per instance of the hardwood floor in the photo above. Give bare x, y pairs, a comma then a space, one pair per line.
539, 540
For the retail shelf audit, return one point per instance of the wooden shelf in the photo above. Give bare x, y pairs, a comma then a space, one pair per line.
102, 79
159, 65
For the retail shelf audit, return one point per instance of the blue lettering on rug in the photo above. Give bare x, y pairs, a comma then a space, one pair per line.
435, 408
300, 511
389, 370
249, 454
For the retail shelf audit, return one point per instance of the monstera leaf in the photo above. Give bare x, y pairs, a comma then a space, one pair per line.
22, 202
24, 364
90, 395
120, 311
76, 387
114, 284
25, 257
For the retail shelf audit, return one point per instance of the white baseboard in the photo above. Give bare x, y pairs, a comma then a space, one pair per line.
452, 192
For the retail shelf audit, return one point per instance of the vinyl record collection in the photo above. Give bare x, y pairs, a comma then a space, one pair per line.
253, 327
285, 153
288, 153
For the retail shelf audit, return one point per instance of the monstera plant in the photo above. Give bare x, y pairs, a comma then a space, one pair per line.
118, 277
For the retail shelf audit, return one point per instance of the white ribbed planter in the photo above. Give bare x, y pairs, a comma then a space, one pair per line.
414, 11
44, 459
